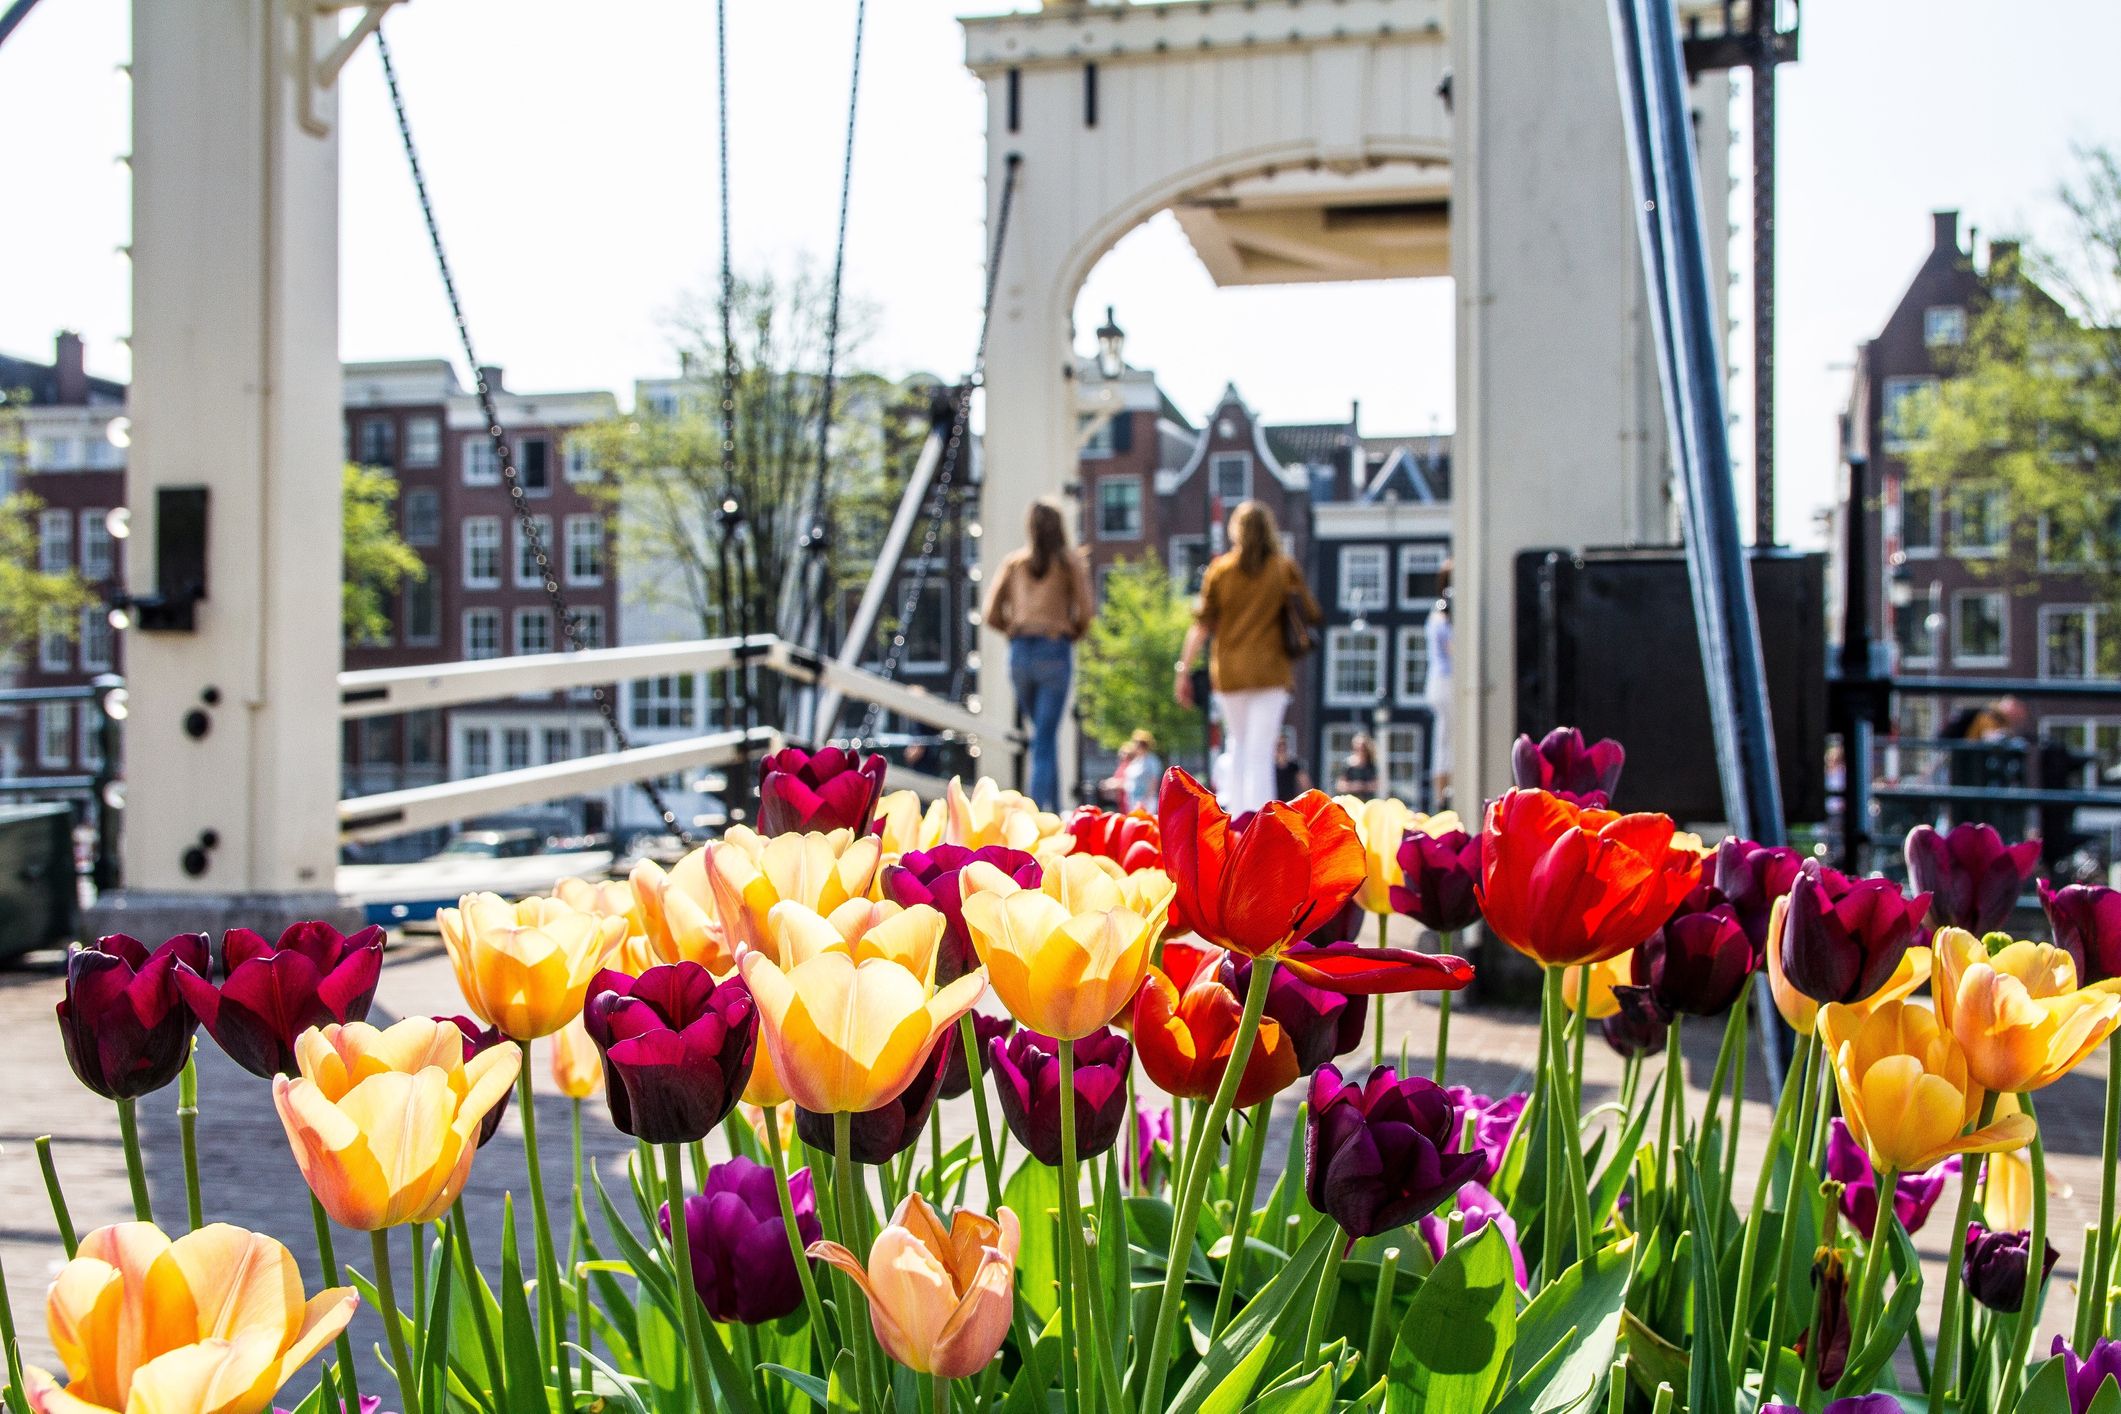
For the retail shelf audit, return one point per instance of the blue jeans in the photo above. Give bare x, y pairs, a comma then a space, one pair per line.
1039, 671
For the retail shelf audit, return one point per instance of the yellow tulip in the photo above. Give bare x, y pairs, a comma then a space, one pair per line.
607, 898
991, 815
212, 1323
764, 1087
1068, 956
2018, 1012
384, 1123
862, 929
678, 913
939, 1298
577, 1069
524, 968
1801, 1012
751, 873
1605, 976
848, 1036
1905, 1088
783, 1112
902, 825
1381, 824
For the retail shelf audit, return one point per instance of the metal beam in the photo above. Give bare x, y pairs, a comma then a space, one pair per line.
379, 692
892, 695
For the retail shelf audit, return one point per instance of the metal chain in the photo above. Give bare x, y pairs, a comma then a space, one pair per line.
526, 522
731, 519
959, 423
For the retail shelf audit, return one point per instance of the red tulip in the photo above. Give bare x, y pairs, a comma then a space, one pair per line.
2086, 922
270, 993
825, 790
1132, 841
1567, 884
1185, 1029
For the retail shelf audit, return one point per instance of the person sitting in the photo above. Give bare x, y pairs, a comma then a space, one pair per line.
1358, 770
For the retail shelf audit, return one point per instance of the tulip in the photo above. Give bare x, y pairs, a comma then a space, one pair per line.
1069, 956
1995, 1266
902, 826
991, 815
861, 928
678, 915
479, 1038
1854, 1404
1381, 824
986, 1029
1185, 1026
2007, 1183
939, 1298
607, 898
1493, 1123
1832, 1329
1564, 883
212, 1323
1130, 840
1698, 963
2018, 1012
1639, 1025
1480, 1208
2086, 920
577, 1069
1439, 884
1913, 1196
1605, 975
1027, 1082
526, 968
829, 789
741, 1264
782, 1118
122, 1019
678, 1047
1319, 1024
1384, 1152
1751, 877
751, 873
932, 877
384, 1123
878, 1136
1564, 763
1152, 1126
1802, 1013
1906, 1090
1972, 877
271, 993
1843, 942
2090, 1374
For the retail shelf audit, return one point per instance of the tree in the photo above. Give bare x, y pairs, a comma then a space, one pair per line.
378, 561
33, 602
1124, 664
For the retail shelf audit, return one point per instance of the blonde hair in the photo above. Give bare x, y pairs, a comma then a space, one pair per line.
1253, 531
1144, 738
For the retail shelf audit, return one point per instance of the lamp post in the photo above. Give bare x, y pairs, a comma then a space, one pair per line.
1111, 340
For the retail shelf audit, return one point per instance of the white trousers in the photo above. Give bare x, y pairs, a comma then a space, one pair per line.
1251, 723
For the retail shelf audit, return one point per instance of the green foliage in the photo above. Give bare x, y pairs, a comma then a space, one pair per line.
1124, 664
378, 561
30, 599
1454, 1346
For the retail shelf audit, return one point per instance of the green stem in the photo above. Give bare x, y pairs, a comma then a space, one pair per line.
2035, 1263
1322, 1304
135, 1170
819, 1331
328, 1260
990, 1157
188, 1136
1381, 1314
1672, 1132
1870, 1282
1730, 1139
1443, 1019
551, 1310
1241, 1214
1544, 1085
939, 1398
1565, 1134
60, 1213
1072, 1219
1719, 1074
393, 1327
419, 1297
17, 1400
1155, 1358
1377, 1011
1799, 1191
1948, 1321
475, 1294
1580, 1031
1749, 1247
1071, 1232
2092, 1304
935, 1155
845, 1177
687, 1297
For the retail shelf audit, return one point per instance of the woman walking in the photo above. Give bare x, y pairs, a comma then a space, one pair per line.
1253, 601
1041, 599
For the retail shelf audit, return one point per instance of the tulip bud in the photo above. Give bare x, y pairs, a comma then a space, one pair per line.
1186, 1021
1480, 1209
741, 1265
1830, 1331
1152, 1126
1843, 944
677, 1046
577, 1069
931, 876
1995, 1266
829, 789
1913, 1196
1131, 840
1442, 886
1972, 877
1384, 1152
1640, 1026
1564, 763
479, 1038
957, 1076
2086, 1376
880, 1135
2086, 922
1027, 1083
122, 1019
271, 993
1697, 963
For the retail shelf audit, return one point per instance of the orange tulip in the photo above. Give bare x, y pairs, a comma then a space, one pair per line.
1185, 1030
848, 1036
1563, 883
525, 968
939, 1298
577, 1069
1068, 956
751, 873
2018, 1012
1801, 1012
1905, 1088
212, 1323
678, 916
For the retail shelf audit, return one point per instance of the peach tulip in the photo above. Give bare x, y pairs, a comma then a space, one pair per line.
576, 1068
2017, 1011
1068, 956
678, 915
861, 928
902, 825
525, 967
1906, 1090
990, 815
939, 1298
750, 873
1801, 1012
212, 1323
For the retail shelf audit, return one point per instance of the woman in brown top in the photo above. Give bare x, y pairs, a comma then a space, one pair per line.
1041, 599
1243, 600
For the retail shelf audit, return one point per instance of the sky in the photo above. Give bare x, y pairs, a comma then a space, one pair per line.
572, 154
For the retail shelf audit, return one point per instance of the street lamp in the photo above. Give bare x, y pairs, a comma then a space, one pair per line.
1111, 339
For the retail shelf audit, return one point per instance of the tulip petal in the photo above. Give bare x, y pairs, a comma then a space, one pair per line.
1353, 970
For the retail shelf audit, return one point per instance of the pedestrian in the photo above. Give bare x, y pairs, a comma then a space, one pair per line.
1255, 604
1041, 599
1358, 769
1141, 773
1290, 777
1436, 689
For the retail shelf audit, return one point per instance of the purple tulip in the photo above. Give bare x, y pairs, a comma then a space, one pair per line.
880, 1135
1913, 1196
270, 993
1854, 1404
1320, 1024
2089, 1374
930, 876
1841, 944
1564, 763
126, 1029
1443, 875
1697, 963
1641, 1025
1494, 1123
677, 1046
1027, 1083
1152, 1125
957, 1076
1750, 877
2086, 919
741, 1265
1481, 1208
1972, 876
829, 789
478, 1038
1994, 1269
1382, 1153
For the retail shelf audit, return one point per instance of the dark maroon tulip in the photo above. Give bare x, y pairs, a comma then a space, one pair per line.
829, 789
1843, 944
1564, 763
479, 1038
1319, 1024
1995, 1266
1697, 963
880, 1135
1750, 877
1972, 876
957, 1076
1913, 1196
1443, 876
1384, 1152
2086, 919
1349, 925
930, 876
677, 1047
741, 1265
2086, 1376
1641, 1025
1494, 1122
126, 1029
270, 993
1026, 1070
1830, 1330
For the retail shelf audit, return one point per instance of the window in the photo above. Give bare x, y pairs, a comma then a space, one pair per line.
482, 552
1362, 578
51, 643
1413, 678
55, 541
1334, 740
482, 633
579, 466
1980, 628
2096, 538
1230, 477
1980, 521
533, 630
1097, 436
95, 639
1188, 562
1915, 627
665, 702
663, 404
1355, 666
376, 442
1119, 508
1404, 745
423, 516
481, 466
557, 746
1943, 325
2098, 738
1420, 575
1895, 410
55, 733
96, 559
2075, 642
921, 637
585, 549
589, 628
90, 751
528, 575
1918, 520
593, 741
534, 465
423, 611
515, 749
423, 738
423, 441
478, 751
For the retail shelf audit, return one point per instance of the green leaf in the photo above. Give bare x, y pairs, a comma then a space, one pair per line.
647, 1267
1454, 1345
1307, 1394
808, 1383
1033, 1194
2048, 1390
1266, 1321
1899, 1315
1230, 1394
1149, 1221
519, 1335
621, 1385
1037, 1376
1580, 1307
1709, 1388
1605, 1189
1652, 1360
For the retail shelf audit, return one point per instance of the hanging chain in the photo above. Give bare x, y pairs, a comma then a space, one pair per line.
730, 521
526, 522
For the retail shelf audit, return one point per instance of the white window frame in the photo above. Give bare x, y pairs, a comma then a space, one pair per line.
428, 532
434, 634
481, 466
481, 738
1373, 558
585, 532
95, 536
88, 750
423, 441
52, 651
389, 434
1185, 554
515, 748
55, 727
1140, 507
482, 534
482, 616
1890, 392
55, 540
1985, 549
1427, 559
526, 564
585, 635
2089, 633
1932, 601
1413, 642
95, 633
1335, 739
1935, 518
1216, 462
1402, 741
1340, 647
1944, 326
575, 463
527, 616
532, 488
664, 697
2081, 734
1960, 599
